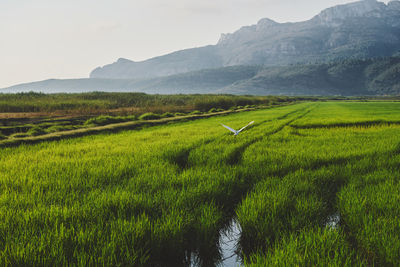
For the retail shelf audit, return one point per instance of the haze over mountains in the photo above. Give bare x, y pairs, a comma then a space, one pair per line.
310, 57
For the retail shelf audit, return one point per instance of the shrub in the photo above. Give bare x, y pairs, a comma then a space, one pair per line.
167, 115
150, 116
195, 112
58, 128
212, 110
36, 130
179, 114
106, 119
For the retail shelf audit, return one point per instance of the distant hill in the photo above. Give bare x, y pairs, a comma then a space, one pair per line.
363, 29
206, 81
378, 76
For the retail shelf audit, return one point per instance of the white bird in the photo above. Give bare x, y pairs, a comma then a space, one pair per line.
234, 131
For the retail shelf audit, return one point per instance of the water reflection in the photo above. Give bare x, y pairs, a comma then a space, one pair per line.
333, 221
223, 254
228, 241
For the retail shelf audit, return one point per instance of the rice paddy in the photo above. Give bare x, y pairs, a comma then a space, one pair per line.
163, 195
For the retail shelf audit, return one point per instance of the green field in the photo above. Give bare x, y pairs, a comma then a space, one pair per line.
161, 196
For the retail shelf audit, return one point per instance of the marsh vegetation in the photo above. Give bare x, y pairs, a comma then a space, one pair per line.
33, 114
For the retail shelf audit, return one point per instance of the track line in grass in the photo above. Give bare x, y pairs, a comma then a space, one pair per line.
324, 185
236, 155
234, 201
181, 156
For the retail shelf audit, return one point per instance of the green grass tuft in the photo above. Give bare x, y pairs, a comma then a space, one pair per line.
150, 116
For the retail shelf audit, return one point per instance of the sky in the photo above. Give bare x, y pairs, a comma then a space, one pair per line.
43, 39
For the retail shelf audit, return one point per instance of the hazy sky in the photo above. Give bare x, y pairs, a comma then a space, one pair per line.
42, 39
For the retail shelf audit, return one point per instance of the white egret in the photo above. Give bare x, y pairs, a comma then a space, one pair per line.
234, 131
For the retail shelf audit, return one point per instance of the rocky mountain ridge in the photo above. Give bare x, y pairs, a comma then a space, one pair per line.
362, 29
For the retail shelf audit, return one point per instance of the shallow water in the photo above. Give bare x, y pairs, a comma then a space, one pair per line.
228, 247
333, 221
228, 241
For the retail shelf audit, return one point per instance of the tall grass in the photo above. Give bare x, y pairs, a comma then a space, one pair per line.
162, 195
86, 103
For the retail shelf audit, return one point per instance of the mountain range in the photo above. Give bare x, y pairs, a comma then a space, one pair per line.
315, 56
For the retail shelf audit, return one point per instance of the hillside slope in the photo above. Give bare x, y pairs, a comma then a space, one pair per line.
346, 77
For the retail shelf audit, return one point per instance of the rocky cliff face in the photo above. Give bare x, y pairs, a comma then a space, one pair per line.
362, 29
335, 16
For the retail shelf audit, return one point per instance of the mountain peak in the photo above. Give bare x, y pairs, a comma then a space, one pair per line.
334, 15
262, 25
266, 22
124, 60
